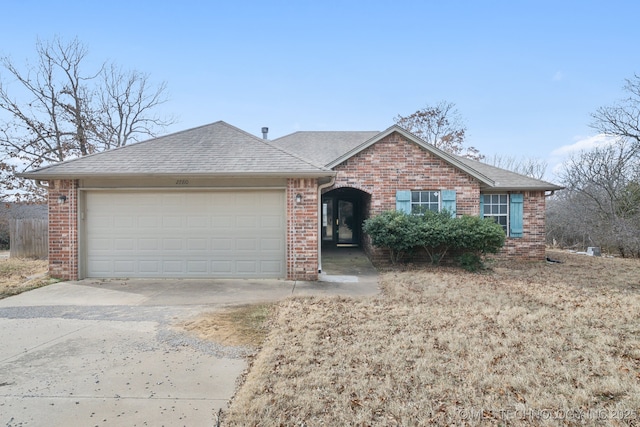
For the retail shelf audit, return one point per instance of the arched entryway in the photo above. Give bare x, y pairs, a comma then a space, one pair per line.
343, 211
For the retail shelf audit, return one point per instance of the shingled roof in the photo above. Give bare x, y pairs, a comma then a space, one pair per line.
323, 147
332, 148
217, 149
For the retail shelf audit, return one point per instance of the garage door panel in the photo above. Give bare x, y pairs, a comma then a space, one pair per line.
124, 266
247, 267
124, 244
222, 268
197, 266
197, 245
97, 245
172, 222
147, 267
271, 245
272, 267
199, 234
148, 244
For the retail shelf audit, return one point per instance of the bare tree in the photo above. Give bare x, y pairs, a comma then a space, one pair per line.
601, 205
528, 166
623, 118
441, 126
57, 110
127, 101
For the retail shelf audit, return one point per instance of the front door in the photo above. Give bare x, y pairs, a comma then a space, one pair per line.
340, 221
345, 222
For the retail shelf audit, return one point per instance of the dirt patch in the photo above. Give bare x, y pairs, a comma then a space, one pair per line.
520, 344
20, 275
246, 325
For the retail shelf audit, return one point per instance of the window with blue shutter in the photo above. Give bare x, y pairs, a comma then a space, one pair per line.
403, 201
495, 206
449, 201
516, 215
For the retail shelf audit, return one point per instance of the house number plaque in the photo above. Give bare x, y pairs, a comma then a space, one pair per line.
182, 182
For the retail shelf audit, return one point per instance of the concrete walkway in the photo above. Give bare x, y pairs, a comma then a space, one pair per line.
104, 353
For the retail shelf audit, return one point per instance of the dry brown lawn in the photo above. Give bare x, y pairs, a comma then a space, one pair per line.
521, 344
246, 325
20, 275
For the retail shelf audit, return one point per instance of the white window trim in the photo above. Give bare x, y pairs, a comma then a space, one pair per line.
437, 192
508, 214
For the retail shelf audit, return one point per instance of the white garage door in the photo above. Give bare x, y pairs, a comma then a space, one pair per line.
185, 234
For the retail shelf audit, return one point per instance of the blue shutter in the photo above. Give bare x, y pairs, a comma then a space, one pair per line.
482, 206
448, 201
516, 213
403, 201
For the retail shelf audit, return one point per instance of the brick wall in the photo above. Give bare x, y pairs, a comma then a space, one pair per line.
302, 229
395, 163
63, 230
531, 246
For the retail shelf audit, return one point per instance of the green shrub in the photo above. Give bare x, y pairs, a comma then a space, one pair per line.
395, 231
470, 261
479, 235
438, 234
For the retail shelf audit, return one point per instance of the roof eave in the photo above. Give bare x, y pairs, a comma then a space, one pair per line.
497, 188
276, 174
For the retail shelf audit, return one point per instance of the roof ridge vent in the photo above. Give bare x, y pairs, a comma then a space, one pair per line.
265, 132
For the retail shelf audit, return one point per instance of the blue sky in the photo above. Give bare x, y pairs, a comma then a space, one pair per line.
525, 75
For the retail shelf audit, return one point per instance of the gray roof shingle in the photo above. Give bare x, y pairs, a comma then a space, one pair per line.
323, 147
219, 149
214, 149
332, 148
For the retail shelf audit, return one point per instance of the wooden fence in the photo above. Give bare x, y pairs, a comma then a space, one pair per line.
29, 238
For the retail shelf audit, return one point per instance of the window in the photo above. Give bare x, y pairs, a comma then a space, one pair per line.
418, 202
495, 206
422, 201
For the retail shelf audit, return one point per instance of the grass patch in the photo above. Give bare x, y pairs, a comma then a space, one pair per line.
521, 344
244, 325
21, 275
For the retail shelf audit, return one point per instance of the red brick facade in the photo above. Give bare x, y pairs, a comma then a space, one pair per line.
302, 229
531, 246
391, 164
63, 229
394, 163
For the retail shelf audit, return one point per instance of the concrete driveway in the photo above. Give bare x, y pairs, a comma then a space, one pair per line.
104, 353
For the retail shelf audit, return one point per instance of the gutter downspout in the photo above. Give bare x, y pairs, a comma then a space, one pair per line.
320, 188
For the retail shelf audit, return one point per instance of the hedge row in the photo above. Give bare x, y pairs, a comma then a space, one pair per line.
438, 233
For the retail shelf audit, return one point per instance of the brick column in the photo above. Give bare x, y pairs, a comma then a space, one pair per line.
63, 229
302, 229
